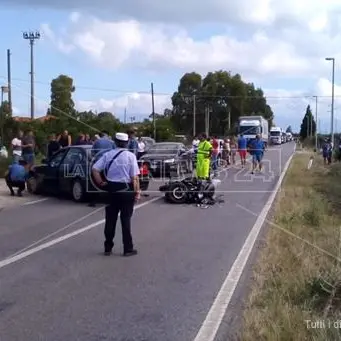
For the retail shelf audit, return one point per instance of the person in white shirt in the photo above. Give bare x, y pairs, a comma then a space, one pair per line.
195, 143
141, 148
16, 147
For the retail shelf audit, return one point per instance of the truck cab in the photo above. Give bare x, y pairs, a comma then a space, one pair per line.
250, 126
276, 135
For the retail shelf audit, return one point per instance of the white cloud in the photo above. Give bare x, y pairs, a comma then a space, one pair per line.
136, 105
114, 44
290, 40
274, 39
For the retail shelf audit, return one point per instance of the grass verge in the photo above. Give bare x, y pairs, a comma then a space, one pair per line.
297, 280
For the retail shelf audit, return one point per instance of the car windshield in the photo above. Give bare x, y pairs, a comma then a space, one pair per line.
163, 148
275, 133
249, 130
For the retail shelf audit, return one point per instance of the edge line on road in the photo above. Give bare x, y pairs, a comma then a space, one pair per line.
212, 322
58, 240
34, 202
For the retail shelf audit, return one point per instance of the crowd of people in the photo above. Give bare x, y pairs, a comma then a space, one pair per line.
24, 150
210, 151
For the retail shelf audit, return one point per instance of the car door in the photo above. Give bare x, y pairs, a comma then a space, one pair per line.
72, 167
51, 176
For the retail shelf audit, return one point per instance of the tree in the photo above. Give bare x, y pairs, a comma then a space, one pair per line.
308, 125
62, 105
225, 96
289, 130
8, 126
164, 128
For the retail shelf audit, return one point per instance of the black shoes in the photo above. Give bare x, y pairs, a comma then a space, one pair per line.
130, 253
107, 252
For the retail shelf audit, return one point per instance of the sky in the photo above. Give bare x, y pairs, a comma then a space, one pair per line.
114, 52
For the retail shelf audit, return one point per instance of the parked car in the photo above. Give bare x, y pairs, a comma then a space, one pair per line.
69, 171
168, 159
148, 141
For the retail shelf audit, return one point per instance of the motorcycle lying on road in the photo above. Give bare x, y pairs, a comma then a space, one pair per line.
190, 190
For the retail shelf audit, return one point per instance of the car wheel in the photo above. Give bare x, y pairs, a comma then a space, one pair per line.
32, 185
176, 193
78, 191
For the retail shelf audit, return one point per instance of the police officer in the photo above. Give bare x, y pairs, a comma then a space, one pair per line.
122, 183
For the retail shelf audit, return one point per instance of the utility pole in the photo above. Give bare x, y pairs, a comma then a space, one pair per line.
316, 100
32, 37
308, 125
332, 109
125, 115
194, 115
207, 120
229, 112
9, 80
153, 110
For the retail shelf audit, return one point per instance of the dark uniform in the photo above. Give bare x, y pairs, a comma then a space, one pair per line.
120, 166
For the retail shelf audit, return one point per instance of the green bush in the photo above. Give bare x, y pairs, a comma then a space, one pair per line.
4, 163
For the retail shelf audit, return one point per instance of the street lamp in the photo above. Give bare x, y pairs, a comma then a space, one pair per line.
332, 108
32, 37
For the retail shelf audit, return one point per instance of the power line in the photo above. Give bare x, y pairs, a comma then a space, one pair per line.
147, 92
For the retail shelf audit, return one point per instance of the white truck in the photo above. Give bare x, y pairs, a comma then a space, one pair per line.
250, 126
276, 135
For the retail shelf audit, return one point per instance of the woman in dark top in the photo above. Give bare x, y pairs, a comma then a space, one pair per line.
65, 139
53, 146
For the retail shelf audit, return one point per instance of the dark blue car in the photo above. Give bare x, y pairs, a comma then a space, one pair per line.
69, 171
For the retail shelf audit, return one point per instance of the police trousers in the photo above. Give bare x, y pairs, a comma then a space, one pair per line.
12, 184
120, 202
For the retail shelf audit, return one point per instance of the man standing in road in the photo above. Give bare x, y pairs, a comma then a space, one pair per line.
242, 148
122, 182
132, 143
53, 146
215, 152
101, 145
257, 149
203, 158
16, 146
28, 147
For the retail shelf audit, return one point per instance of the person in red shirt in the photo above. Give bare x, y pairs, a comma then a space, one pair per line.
215, 152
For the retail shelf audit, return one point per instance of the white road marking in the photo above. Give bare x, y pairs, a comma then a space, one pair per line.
56, 232
212, 322
44, 246
34, 202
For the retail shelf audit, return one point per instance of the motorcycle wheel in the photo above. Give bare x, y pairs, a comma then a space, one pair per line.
209, 191
176, 193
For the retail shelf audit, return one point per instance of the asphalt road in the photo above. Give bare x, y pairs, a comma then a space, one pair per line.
64, 289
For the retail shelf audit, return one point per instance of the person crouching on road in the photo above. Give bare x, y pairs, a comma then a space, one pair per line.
16, 176
122, 183
257, 152
203, 158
